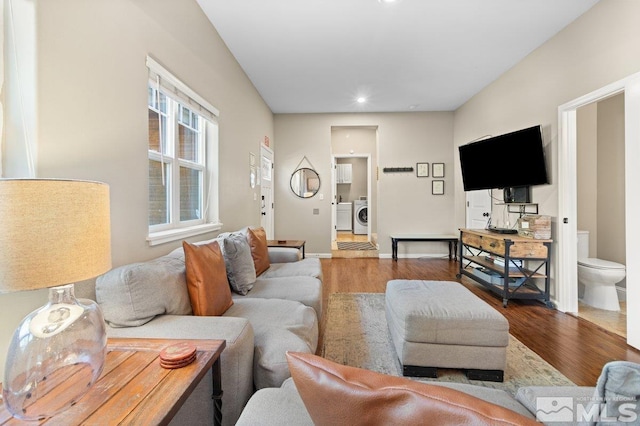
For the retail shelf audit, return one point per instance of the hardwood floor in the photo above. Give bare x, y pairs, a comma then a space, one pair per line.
574, 346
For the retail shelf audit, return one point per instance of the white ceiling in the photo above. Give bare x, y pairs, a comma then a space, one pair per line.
413, 55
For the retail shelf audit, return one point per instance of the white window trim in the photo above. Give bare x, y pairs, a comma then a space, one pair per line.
174, 234
211, 186
166, 75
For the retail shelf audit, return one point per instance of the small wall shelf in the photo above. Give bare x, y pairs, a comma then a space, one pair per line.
397, 169
520, 208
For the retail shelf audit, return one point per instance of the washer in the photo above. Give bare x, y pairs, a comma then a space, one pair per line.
360, 216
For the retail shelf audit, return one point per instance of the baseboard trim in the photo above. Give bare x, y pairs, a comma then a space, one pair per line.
415, 256
319, 255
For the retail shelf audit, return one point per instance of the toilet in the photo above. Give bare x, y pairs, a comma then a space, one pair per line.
598, 276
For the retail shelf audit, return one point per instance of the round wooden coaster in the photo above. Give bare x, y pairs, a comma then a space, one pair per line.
178, 353
178, 364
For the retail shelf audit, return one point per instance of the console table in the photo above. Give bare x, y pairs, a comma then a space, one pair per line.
134, 389
509, 265
450, 238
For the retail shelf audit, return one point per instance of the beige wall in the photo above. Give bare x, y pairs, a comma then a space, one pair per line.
404, 204
611, 184
92, 112
596, 49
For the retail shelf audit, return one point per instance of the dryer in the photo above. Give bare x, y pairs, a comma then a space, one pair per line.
360, 216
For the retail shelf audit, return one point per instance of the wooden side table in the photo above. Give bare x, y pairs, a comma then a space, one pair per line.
135, 390
298, 244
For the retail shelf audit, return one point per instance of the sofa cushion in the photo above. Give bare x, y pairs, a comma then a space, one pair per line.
309, 267
259, 250
279, 326
306, 290
360, 397
241, 271
442, 312
134, 294
494, 396
275, 407
207, 283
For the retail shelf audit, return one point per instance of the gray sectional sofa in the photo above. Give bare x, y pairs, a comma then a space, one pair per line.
279, 313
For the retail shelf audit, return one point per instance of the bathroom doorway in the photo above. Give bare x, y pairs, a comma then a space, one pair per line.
600, 170
354, 193
566, 287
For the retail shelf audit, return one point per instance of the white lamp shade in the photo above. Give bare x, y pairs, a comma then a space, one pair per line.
52, 232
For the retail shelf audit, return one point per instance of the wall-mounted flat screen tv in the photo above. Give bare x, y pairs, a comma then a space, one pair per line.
511, 160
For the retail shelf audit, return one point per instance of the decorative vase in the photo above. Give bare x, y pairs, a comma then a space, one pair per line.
55, 356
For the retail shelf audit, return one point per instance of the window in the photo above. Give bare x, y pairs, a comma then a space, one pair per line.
182, 160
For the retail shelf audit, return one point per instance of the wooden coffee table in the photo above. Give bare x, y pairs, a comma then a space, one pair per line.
135, 390
299, 244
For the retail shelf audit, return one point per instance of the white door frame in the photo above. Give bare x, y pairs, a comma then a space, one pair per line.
268, 222
334, 195
566, 272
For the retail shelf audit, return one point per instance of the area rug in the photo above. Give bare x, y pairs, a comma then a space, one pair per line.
357, 335
347, 245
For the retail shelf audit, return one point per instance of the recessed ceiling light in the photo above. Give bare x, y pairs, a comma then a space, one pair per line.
388, 1
361, 100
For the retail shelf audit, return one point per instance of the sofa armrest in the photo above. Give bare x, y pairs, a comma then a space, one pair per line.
283, 255
533, 397
236, 361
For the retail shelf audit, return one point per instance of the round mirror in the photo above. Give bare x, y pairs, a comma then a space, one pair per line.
305, 182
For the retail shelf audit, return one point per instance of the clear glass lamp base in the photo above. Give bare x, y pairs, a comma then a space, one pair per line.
55, 356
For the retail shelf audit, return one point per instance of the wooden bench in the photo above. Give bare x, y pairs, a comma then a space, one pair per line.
450, 238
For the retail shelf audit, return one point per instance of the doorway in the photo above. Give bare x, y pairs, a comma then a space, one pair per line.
566, 277
600, 205
354, 204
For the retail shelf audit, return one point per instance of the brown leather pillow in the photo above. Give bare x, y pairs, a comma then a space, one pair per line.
259, 250
336, 394
207, 283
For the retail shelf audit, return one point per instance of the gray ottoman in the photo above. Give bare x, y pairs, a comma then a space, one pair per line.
441, 324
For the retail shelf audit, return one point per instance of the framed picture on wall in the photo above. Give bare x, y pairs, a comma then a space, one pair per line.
422, 169
437, 187
437, 170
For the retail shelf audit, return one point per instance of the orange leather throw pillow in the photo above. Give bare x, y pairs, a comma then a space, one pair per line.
207, 283
336, 394
259, 249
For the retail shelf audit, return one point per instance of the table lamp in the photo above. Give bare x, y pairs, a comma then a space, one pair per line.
53, 233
